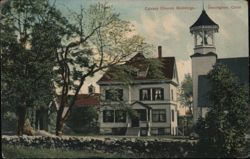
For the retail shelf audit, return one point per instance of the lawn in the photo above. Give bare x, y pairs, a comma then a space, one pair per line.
10, 151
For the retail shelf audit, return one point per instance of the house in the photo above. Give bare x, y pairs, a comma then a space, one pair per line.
203, 60
153, 100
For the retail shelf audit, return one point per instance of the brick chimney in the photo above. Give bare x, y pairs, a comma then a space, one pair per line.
159, 52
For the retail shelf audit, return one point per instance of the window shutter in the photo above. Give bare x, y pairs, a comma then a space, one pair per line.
141, 94
162, 94
153, 94
106, 94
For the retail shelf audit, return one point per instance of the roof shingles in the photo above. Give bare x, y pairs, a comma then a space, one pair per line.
141, 63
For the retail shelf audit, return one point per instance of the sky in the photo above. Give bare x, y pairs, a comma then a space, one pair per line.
167, 22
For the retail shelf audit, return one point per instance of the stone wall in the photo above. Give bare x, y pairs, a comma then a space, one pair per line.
122, 146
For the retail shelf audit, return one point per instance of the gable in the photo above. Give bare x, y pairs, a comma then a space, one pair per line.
140, 105
175, 74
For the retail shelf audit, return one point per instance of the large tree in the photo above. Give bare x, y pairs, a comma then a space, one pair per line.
26, 65
222, 132
186, 92
98, 41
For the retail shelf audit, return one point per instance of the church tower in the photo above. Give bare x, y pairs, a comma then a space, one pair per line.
204, 56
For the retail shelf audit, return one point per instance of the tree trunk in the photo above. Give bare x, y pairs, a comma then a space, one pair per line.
59, 121
21, 120
59, 126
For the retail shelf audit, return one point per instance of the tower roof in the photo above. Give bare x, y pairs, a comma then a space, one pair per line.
204, 20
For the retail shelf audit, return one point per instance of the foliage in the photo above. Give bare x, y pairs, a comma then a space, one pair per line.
96, 40
8, 121
185, 123
28, 129
52, 119
83, 119
186, 91
222, 132
27, 67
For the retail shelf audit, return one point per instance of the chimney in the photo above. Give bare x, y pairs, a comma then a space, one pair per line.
159, 52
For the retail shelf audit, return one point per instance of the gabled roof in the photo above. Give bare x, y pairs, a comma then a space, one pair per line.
142, 104
204, 20
141, 63
88, 100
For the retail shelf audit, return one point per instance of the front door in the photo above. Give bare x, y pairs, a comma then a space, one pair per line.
135, 122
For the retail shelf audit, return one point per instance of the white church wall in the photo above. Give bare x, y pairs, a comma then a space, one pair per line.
200, 66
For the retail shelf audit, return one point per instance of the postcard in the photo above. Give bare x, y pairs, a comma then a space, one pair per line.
124, 78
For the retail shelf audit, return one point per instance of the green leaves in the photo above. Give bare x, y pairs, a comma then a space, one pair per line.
228, 118
186, 91
27, 52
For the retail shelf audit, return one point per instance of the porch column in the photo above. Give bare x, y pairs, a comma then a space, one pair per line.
149, 115
128, 120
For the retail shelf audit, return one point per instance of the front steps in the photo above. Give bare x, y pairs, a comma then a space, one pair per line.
133, 131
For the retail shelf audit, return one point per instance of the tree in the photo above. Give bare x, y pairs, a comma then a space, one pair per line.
222, 132
98, 41
26, 67
83, 119
186, 92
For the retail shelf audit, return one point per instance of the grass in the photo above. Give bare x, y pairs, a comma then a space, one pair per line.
10, 151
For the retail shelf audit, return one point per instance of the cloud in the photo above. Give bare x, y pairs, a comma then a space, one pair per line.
183, 67
172, 25
149, 25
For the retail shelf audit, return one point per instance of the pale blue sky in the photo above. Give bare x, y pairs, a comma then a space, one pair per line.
170, 28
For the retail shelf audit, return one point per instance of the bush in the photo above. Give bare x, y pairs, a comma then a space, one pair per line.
9, 121
83, 120
28, 130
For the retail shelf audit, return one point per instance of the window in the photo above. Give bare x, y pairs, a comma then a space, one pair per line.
108, 116
159, 115
91, 89
158, 94
114, 95
120, 116
172, 115
145, 94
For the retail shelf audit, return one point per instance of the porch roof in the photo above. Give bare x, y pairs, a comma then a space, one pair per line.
142, 104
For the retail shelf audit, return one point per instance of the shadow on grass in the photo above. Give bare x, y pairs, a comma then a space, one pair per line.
10, 151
